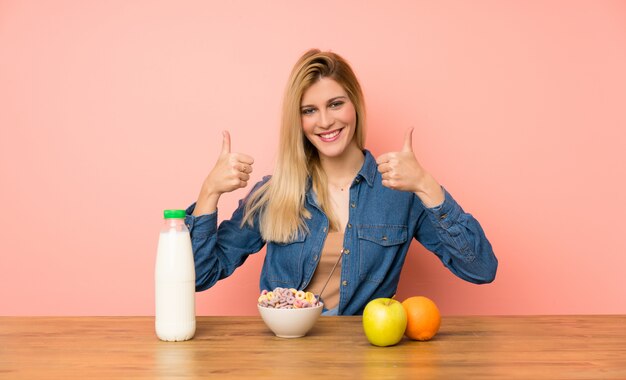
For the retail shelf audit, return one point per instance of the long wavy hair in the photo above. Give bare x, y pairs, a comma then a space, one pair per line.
280, 202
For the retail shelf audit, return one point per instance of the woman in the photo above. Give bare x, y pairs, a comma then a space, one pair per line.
330, 204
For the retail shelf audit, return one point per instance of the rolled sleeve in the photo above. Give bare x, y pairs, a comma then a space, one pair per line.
200, 226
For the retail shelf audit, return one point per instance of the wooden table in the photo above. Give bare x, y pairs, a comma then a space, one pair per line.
551, 347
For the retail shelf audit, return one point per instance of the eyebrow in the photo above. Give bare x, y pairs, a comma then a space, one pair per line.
328, 102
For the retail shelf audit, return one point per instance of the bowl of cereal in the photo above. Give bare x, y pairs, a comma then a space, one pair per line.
289, 313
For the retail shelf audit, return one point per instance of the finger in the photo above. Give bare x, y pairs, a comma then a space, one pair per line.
382, 159
408, 141
391, 174
237, 182
242, 176
387, 183
244, 168
244, 158
225, 143
383, 168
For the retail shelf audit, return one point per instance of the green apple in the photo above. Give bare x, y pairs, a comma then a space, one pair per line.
384, 321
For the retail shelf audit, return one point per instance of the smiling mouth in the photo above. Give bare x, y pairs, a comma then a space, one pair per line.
330, 136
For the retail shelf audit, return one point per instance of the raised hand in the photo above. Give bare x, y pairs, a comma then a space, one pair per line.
401, 171
231, 172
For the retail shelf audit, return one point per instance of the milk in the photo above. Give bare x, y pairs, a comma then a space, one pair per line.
175, 314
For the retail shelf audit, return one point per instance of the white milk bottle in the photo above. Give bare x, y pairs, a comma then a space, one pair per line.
175, 278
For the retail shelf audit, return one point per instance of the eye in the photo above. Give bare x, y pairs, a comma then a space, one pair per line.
336, 104
307, 111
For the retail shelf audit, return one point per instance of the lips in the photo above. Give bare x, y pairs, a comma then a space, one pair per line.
330, 136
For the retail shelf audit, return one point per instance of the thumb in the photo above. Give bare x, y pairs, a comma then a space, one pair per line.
225, 143
408, 141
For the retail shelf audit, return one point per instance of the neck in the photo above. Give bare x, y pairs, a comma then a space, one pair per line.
341, 170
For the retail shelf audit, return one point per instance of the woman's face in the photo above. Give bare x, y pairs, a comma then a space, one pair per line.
328, 118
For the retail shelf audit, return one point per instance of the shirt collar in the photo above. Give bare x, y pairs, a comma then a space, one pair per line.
369, 169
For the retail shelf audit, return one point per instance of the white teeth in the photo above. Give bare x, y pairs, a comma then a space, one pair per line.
330, 135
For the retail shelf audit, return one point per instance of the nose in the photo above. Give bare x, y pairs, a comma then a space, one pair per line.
325, 119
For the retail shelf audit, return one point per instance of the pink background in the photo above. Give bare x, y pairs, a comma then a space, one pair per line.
112, 111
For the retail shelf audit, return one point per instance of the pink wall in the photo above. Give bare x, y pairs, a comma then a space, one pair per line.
112, 111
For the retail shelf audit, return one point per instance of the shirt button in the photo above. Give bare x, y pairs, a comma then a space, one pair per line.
324, 229
346, 251
353, 205
344, 283
443, 216
315, 258
349, 225
358, 180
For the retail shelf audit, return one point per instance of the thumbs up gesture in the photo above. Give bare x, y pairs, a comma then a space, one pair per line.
401, 171
231, 172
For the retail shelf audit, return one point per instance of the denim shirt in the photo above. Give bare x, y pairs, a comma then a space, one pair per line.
381, 225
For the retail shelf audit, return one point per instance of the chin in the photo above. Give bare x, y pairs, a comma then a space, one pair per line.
331, 153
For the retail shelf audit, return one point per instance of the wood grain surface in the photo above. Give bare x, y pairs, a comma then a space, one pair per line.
528, 347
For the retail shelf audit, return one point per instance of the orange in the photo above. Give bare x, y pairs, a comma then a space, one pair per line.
423, 318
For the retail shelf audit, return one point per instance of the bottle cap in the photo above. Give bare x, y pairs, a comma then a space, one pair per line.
174, 214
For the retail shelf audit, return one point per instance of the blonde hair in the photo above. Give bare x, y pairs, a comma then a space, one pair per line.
280, 202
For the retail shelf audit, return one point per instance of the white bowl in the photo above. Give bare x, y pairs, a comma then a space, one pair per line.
290, 323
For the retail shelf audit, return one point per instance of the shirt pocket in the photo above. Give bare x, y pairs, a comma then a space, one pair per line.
283, 263
379, 245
